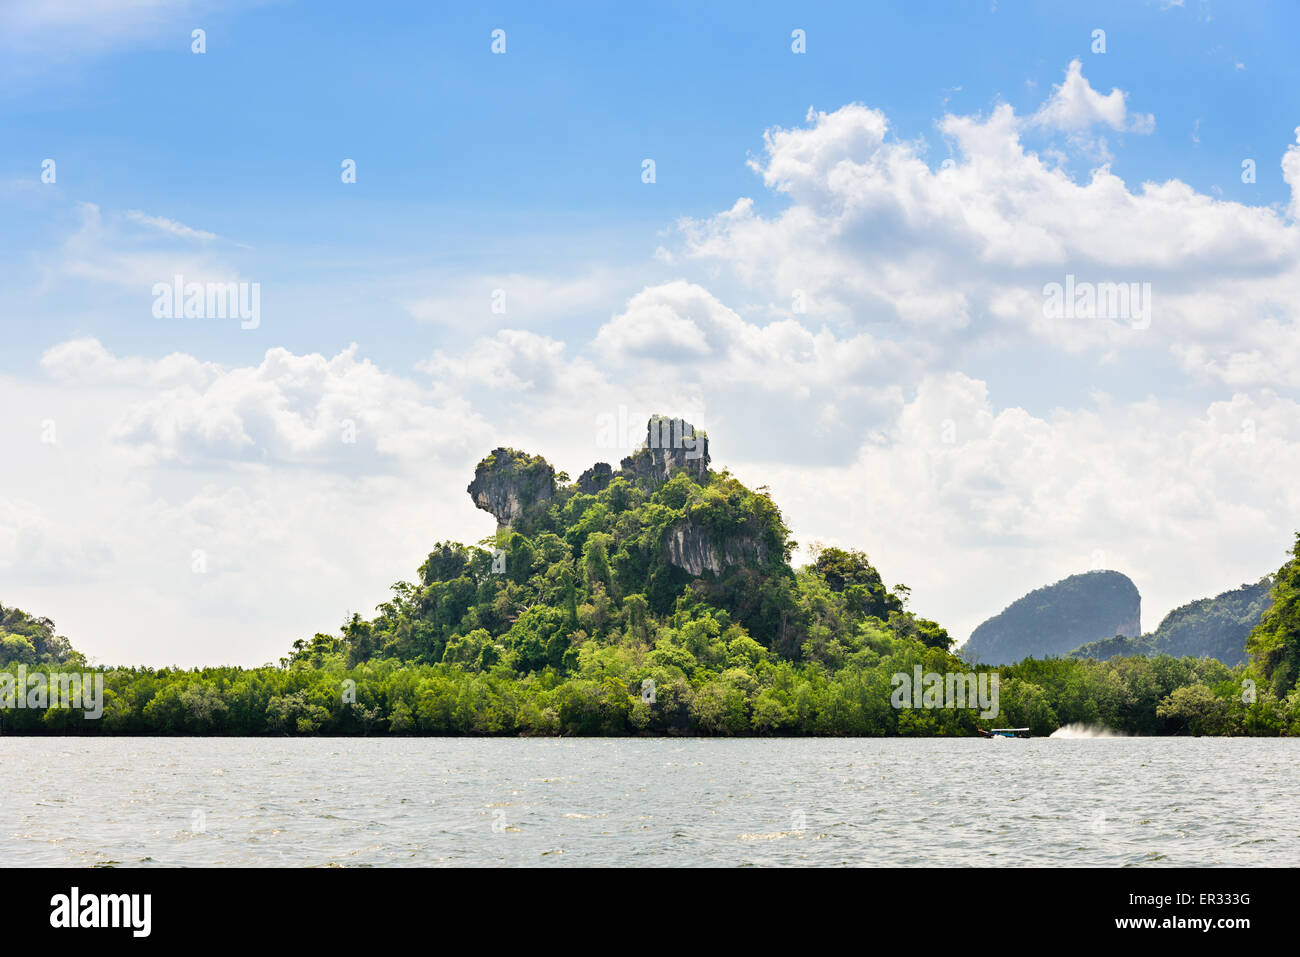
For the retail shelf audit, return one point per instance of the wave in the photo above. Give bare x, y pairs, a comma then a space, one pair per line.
1080, 730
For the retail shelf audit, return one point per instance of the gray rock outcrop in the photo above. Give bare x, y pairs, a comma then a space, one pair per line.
508, 483
596, 479
697, 549
670, 446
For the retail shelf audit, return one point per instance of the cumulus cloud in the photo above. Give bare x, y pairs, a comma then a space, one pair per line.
681, 326
340, 411
675, 347
516, 361
1291, 174
664, 324
961, 255
1075, 106
86, 362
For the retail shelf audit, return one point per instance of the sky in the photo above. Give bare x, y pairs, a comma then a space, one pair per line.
828, 234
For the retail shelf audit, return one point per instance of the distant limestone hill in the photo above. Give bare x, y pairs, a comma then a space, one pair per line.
1208, 628
1056, 619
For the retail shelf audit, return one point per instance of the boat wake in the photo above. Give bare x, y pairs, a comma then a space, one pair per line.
1086, 731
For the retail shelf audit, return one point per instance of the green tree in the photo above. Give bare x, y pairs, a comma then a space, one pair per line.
1274, 644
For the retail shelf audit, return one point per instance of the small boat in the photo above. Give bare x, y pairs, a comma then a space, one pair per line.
1004, 732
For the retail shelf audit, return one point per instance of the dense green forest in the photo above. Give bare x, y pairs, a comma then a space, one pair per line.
658, 598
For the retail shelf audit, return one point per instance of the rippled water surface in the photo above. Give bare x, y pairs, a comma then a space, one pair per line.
1109, 801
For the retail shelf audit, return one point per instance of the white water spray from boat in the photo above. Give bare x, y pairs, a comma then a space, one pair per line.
1081, 730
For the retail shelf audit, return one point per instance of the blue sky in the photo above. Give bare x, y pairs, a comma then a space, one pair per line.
532, 160
522, 171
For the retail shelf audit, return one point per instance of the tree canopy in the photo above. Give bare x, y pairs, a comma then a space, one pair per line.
658, 599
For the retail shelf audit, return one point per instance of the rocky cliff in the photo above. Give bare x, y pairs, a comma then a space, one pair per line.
517, 489
596, 479
697, 549
509, 484
670, 446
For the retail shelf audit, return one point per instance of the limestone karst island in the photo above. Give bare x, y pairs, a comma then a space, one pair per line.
658, 598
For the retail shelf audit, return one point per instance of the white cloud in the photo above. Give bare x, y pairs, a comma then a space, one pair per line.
86, 362
675, 347
514, 361
288, 409
959, 256
169, 226
654, 329
1075, 106
1291, 174
100, 251
682, 328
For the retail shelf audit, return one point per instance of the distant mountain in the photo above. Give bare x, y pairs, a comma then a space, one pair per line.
1056, 619
1210, 627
